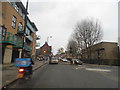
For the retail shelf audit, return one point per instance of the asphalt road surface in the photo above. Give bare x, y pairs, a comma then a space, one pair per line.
64, 75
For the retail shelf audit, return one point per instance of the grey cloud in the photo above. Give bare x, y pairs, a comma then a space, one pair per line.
59, 19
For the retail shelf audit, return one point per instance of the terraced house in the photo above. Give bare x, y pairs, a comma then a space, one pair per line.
12, 32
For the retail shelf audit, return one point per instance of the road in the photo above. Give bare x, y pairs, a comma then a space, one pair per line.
64, 75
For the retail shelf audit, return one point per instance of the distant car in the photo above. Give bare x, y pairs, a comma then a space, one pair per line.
41, 59
53, 60
77, 61
64, 60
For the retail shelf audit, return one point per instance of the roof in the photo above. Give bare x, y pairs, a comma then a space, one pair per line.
33, 24
46, 44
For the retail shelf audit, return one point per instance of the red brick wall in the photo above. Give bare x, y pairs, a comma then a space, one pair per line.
45, 49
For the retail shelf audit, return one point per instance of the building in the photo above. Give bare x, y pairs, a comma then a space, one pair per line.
12, 32
103, 51
45, 50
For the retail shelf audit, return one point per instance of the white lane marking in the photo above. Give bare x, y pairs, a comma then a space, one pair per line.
80, 67
76, 68
96, 69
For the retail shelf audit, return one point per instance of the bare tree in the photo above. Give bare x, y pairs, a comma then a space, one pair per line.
87, 33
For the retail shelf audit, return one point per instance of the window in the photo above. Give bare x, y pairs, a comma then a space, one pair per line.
20, 27
14, 22
16, 7
23, 16
13, 4
20, 11
27, 31
2, 33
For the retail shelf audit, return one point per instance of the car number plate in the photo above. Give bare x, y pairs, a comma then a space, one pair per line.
19, 75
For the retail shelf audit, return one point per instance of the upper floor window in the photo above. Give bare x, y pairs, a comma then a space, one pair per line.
13, 4
20, 11
20, 27
27, 31
17, 8
2, 32
14, 19
23, 16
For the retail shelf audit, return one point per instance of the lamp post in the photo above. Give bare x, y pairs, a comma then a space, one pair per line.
48, 49
48, 38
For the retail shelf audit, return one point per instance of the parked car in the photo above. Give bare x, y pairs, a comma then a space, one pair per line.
53, 60
41, 59
64, 60
77, 61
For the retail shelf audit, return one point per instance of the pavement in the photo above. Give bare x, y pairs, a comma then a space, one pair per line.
9, 72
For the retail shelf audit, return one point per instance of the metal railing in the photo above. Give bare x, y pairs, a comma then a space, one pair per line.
20, 32
19, 44
30, 38
11, 39
27, 47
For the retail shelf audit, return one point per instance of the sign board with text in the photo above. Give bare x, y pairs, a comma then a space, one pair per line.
22, 62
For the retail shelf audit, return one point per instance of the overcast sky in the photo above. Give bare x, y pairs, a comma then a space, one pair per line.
57, 18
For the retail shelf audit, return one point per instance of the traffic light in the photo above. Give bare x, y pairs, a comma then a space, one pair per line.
70, 49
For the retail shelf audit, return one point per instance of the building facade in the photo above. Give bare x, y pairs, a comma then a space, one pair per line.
45, 50
12, 32
106, 51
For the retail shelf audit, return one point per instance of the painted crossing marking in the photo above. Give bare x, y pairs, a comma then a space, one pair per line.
76, 68
96, 69
80, 67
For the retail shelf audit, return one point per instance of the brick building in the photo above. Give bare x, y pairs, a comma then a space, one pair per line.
12, 31
106, 51
45, 50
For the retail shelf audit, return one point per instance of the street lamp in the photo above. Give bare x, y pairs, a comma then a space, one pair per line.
48, 38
